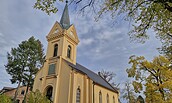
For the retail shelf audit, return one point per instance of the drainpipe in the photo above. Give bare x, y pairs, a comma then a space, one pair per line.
93, 92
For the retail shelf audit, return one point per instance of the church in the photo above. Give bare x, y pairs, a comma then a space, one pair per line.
61, 78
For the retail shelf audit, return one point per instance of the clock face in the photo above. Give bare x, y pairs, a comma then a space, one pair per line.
71, 34
56, 31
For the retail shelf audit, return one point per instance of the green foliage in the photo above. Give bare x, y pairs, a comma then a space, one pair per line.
46, 6
35, 57
155, 76
37, 97
5, 99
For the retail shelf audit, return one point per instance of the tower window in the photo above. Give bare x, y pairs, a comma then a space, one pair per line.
100, 97
69, 51
55, 50
51, 69
78, 95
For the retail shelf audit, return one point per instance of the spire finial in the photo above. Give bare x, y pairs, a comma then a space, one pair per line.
66, 1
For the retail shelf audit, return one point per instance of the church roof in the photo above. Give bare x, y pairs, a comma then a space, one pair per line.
93, 76
65, 21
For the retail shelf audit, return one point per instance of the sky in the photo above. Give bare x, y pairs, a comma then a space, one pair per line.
103, 44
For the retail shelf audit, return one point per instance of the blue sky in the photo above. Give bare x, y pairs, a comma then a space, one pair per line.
103, 44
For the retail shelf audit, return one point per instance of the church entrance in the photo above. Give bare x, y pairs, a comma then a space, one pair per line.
49, 93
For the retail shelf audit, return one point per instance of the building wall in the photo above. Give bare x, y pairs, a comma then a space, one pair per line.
20, 96
104, 92
63, 87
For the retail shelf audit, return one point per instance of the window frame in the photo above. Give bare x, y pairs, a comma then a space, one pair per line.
78, 95
55, 50
22, 92
69, 49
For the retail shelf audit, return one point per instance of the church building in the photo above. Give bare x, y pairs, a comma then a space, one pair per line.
61, 78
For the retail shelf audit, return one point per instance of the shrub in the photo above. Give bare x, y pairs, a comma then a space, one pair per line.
5, 99
37, 97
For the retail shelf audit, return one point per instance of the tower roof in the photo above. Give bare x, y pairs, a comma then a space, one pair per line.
65, 21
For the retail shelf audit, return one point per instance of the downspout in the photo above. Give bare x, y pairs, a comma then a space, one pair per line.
93, 92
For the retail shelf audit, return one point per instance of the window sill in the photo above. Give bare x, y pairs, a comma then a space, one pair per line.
51, 76
53, 59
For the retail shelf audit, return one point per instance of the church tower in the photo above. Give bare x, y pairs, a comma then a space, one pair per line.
53, 77
62, 39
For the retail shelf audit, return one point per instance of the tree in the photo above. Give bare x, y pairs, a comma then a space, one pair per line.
154, 76
23, 62
16, 66
128, 94
37, 97
109, 77
35, 59
167, 50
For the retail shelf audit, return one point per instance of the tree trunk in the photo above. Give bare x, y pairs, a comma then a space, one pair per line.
26, 91
128, 92
16, 92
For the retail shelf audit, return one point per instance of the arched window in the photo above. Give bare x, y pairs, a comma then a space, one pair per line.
100, 97
55, 50
49, 93
113, 99
107, 98
69, 51
78, 95
22, 92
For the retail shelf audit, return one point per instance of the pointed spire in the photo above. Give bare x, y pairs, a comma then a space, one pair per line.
65, 21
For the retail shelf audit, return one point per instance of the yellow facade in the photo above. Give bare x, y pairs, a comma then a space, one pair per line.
68, 85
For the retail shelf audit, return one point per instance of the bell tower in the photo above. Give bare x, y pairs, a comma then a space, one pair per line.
62, 39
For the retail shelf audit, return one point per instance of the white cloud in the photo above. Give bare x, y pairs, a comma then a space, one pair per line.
85, 42
1, 34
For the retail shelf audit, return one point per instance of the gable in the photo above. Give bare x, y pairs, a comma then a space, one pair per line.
71, 32
56, 29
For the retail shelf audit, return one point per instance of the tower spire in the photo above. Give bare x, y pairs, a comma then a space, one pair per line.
65, 21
